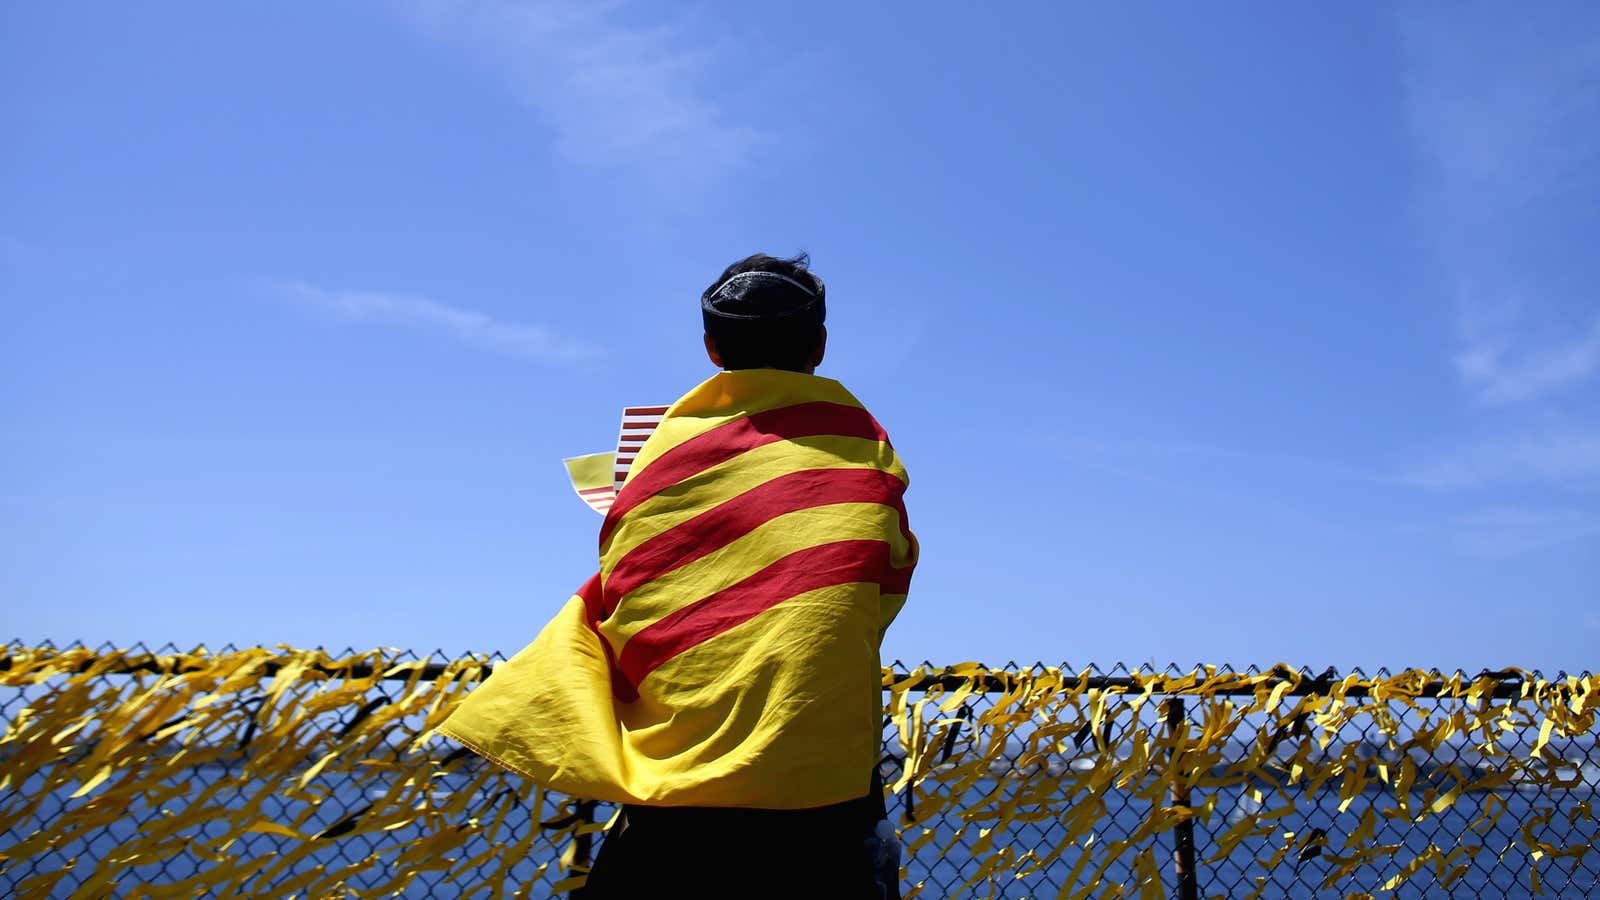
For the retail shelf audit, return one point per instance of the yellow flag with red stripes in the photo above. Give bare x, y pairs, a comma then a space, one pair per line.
726, 653
592, 478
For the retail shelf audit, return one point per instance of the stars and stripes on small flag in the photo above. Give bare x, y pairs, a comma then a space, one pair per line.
598, 477
638, 422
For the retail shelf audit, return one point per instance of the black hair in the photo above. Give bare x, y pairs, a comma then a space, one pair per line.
761, 322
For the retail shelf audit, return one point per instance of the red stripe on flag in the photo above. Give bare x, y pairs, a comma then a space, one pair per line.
826, 565
728, 521
643, 411
730, 439
587, 491
896, 581
591, 593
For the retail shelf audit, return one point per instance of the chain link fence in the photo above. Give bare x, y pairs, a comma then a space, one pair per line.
281, 772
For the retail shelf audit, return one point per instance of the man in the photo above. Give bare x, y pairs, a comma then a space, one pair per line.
719, 676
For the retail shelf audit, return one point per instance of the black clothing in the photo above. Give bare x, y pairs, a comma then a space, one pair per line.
722, 854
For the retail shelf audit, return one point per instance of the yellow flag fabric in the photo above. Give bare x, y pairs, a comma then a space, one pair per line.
726, 653
591, 477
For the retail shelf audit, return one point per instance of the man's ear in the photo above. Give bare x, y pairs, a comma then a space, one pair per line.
819, 351
711, 352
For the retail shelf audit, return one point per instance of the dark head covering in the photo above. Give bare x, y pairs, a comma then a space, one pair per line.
763, 296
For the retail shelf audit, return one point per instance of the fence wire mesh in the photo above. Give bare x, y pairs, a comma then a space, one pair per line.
282, 772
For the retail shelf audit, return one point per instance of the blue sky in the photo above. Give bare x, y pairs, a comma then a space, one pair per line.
1237, 339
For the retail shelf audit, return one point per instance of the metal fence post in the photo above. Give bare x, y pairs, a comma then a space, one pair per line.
1183, 834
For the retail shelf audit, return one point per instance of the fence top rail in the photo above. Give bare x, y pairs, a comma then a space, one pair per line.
390, 665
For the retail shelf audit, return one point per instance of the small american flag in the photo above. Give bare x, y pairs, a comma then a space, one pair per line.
598, 477
637, 424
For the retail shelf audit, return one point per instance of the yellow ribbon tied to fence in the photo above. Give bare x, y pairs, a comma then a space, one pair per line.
283, 772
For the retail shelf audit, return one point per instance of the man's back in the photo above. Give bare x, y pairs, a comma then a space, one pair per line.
719, 674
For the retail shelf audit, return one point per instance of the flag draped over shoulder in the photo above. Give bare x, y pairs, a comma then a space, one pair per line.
726, 653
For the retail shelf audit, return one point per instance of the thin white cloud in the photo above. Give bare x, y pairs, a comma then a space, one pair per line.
470, 327
1565, 457
617, 88
1501, 532
1500, 363
1502, 104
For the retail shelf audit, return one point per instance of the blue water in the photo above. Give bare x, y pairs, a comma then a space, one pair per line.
1500, 870
1492, 875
